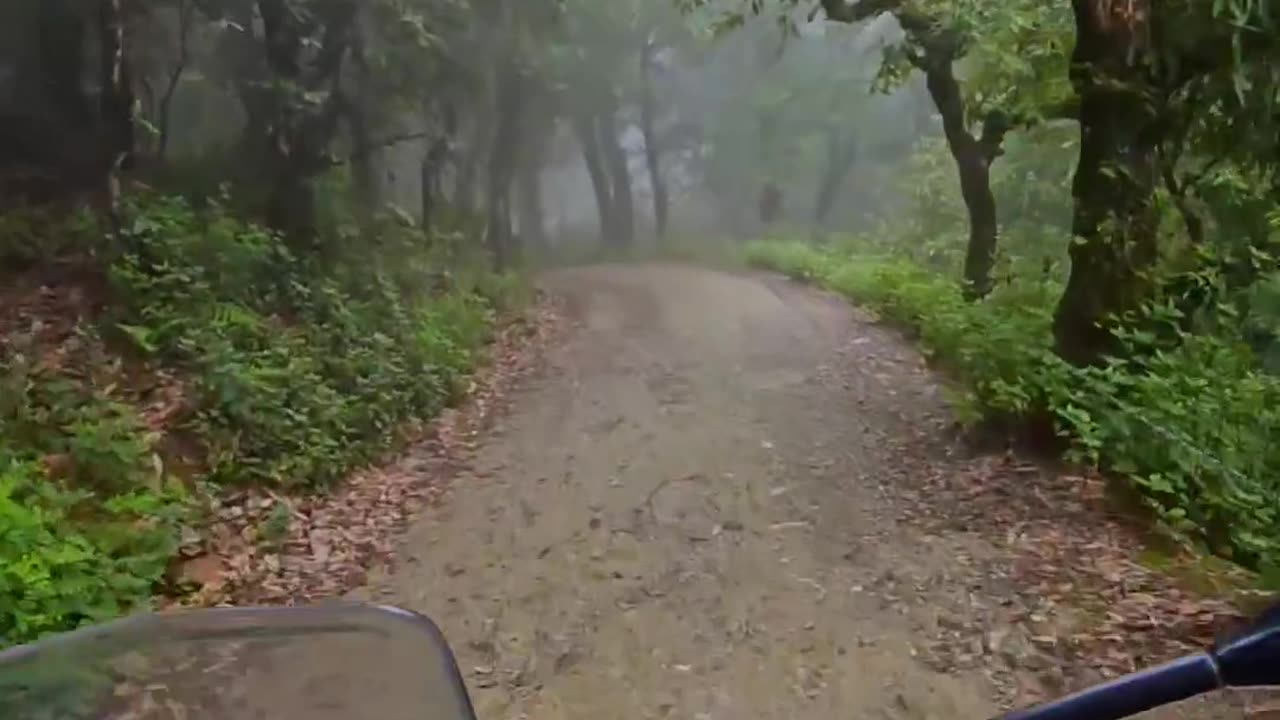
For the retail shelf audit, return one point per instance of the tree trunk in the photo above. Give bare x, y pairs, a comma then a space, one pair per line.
117, 105
433, 163
241, 65
439, 157
842, 153
365, 158
503, 160
533, 223
1115, 220
624, 220
973, 158
291, 202
427, 191
652, 149
186, 10
477, 150
538, 132
301, 134
584, 124
364, 174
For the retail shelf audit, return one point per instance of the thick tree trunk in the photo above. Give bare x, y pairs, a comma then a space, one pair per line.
624, 220
842, 153
584, 125
300, 134
652, 148
291, 199
973, 158
980, 255
1115, 221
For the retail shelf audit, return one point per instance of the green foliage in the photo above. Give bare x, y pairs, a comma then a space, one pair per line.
1192, 426
294, 371
92, 541
1029, 182
302, 372
54, 576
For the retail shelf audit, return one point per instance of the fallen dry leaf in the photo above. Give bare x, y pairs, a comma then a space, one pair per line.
202, 571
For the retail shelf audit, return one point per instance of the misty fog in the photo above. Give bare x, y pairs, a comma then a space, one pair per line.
730, 112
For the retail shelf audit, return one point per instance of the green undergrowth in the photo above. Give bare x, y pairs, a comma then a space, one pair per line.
1192, 427
220, 358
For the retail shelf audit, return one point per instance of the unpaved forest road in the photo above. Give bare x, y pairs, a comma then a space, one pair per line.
683, 516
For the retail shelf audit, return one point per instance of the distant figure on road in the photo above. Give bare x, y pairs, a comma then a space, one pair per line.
770, 203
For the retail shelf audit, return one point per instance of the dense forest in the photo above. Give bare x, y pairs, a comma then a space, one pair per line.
249, 242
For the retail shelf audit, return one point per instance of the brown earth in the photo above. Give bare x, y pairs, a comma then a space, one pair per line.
733, 497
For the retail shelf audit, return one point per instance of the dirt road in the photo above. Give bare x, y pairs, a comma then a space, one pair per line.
687, 515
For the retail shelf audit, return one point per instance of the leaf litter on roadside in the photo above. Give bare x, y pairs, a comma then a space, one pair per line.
266, 548
1078, 604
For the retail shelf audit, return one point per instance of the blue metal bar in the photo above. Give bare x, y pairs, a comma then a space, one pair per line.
1133, 694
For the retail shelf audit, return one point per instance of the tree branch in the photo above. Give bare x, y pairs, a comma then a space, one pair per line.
994, 127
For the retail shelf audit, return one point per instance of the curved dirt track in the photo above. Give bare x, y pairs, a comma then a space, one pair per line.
685, 514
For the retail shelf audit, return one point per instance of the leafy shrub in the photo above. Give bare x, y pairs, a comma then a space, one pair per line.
61, 571
302, 369
1192, 427
86, 525
295, 371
